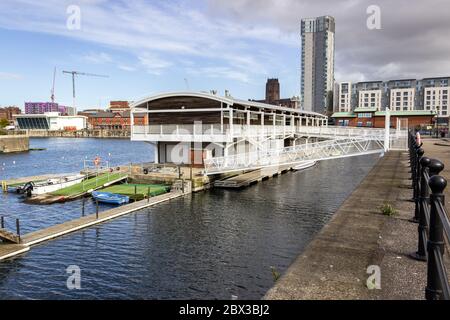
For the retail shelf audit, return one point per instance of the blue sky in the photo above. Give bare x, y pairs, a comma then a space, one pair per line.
150, 46
144, 48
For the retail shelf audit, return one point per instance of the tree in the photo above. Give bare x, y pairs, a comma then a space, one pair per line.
3, 123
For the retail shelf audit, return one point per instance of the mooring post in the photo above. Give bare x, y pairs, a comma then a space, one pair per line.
2, 222
148, 194
435, 245
18, 228
135, 190
96, 209
82, 207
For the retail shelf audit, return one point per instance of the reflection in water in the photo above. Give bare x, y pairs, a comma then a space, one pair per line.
209, 245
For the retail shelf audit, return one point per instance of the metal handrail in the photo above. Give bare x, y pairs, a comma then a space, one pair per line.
431, 213
443, 215
442, 273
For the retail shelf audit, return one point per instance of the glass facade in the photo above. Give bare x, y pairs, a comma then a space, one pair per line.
33, 123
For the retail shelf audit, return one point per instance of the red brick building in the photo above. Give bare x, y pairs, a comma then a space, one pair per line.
114, 120
8, 112
370, 118
118, 106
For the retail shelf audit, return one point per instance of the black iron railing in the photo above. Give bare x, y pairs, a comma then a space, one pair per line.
432, 217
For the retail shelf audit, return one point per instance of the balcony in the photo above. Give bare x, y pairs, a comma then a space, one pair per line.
206, 133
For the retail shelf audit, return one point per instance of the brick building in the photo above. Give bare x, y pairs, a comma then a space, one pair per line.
113, 120
8, 112
273, 96
118, 106
372, 118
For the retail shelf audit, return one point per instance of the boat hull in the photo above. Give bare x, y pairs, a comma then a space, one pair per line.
110, 198
304, 165
56, 185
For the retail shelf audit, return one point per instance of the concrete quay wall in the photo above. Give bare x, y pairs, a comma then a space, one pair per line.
14, 143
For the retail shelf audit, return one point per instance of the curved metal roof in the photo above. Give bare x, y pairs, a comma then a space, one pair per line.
228, 100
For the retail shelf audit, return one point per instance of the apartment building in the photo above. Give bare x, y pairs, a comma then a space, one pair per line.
344, 97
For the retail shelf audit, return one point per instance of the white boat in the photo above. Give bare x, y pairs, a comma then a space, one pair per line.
305, 164
50, 185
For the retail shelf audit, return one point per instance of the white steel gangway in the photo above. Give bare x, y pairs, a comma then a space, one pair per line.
323, 150
340, 142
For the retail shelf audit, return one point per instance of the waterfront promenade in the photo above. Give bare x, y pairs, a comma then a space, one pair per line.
334, 265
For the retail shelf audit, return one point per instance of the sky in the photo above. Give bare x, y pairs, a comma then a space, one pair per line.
146, 47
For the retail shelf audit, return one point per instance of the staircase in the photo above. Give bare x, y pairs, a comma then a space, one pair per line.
7, 236
178, 186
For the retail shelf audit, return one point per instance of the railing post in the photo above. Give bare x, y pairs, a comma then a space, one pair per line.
2, 222
435, 244
83, 201
423, 199
417, 174
96, 209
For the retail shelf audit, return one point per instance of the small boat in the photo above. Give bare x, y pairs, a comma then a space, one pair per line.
49, 185
304, 165
108, 197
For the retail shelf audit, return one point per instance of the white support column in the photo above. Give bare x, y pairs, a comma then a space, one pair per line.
156, 152
387, 126
221, 117
132, 122
231, 122
262, 126
248, 119
274, 123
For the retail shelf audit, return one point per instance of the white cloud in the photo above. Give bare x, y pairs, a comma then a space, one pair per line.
221, 72
126, 68
10, 76
97, 57
154, 64
150, 30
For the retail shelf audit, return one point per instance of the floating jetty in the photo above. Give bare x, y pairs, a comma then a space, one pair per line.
8, 250
248, 178
80, 189
138, 191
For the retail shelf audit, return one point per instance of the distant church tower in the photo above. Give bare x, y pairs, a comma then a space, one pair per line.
272, 91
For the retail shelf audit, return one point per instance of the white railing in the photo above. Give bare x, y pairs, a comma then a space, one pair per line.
212, 129
323, 150
336, 131
253, 130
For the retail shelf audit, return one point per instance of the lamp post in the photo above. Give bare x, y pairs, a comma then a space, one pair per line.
437, 121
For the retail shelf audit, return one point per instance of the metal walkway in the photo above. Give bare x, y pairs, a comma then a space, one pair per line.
341, 142
324, 150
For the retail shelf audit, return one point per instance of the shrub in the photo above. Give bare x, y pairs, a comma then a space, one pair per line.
388, 209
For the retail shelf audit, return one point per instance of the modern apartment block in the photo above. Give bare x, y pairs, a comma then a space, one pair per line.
429, 94
435, 92
317, 74
344, 97
44, 107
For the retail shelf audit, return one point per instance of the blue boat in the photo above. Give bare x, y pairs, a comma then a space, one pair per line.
108, 197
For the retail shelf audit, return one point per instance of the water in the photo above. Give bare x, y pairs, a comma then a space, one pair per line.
213, 244
61, 155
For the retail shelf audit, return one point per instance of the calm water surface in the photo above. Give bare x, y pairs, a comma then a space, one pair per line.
213, 244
